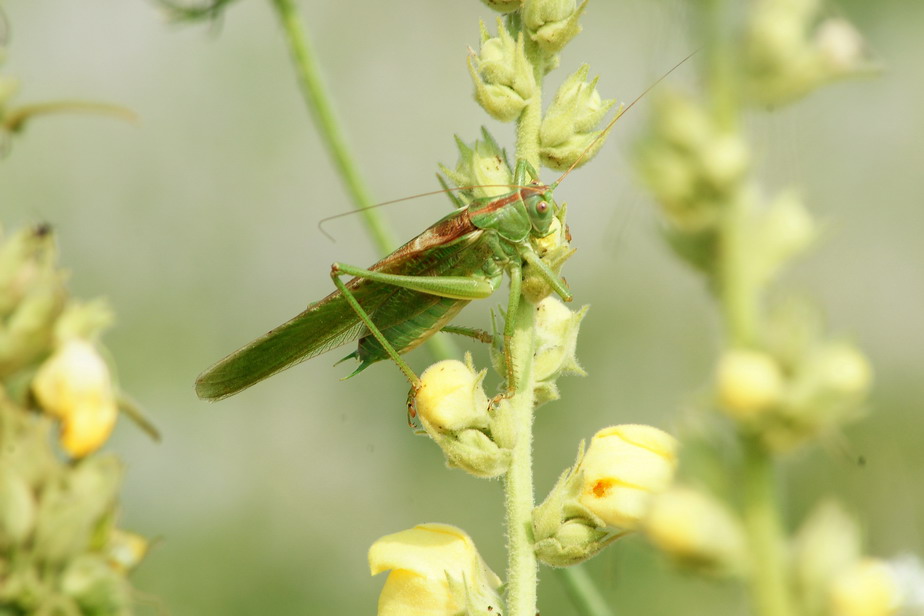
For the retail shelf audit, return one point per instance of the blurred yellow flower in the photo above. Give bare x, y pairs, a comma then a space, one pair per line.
865, 588
623, 467
74, 385
435, 571
696, 529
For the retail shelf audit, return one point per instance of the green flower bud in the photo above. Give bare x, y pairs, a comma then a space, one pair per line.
552, 23
454, 411
566, 131
24, 256
697, 530
483, 166
691, 164
502, 74
72, 508
826, 389
503, 6
573, 542
17, 508
96, 587
775, 236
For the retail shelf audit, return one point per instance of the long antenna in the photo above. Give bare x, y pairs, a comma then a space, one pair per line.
618, 115
441, 191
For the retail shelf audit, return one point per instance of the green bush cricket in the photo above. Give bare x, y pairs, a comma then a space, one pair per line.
414, 292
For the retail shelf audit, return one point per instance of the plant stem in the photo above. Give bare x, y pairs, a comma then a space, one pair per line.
765, 533
320, 106
522, 574
321, 109
583, 592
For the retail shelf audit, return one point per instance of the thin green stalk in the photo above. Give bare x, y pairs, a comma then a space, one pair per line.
321, 108
522, 567
583, 592
769, 587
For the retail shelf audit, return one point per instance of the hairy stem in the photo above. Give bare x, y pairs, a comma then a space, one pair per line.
522, 574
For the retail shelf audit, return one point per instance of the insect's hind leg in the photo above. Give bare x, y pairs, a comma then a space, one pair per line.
335, 272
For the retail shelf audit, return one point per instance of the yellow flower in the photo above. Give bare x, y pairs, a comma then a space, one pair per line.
435, 571
696, 529
74, 385
623, 467
866, 588
451, 398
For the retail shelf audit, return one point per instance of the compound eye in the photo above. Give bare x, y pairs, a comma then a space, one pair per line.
542, 207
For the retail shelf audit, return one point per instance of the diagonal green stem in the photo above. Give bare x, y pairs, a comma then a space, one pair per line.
320, 106
582, 591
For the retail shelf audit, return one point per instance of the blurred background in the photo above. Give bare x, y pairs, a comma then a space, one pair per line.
199, 224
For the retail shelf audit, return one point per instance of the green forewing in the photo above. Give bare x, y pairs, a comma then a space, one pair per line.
451, 246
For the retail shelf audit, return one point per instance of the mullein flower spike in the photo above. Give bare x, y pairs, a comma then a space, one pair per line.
57, 519
552, 23
567, 129
455, 412
502, 74
435, 570
606, 494
697, 530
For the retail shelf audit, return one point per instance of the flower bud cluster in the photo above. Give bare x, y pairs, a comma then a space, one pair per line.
503, 75
567, 134
692, 165
794, 390
435, 570
59, 549
482, 166
790, 50
833, 577
606, 494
